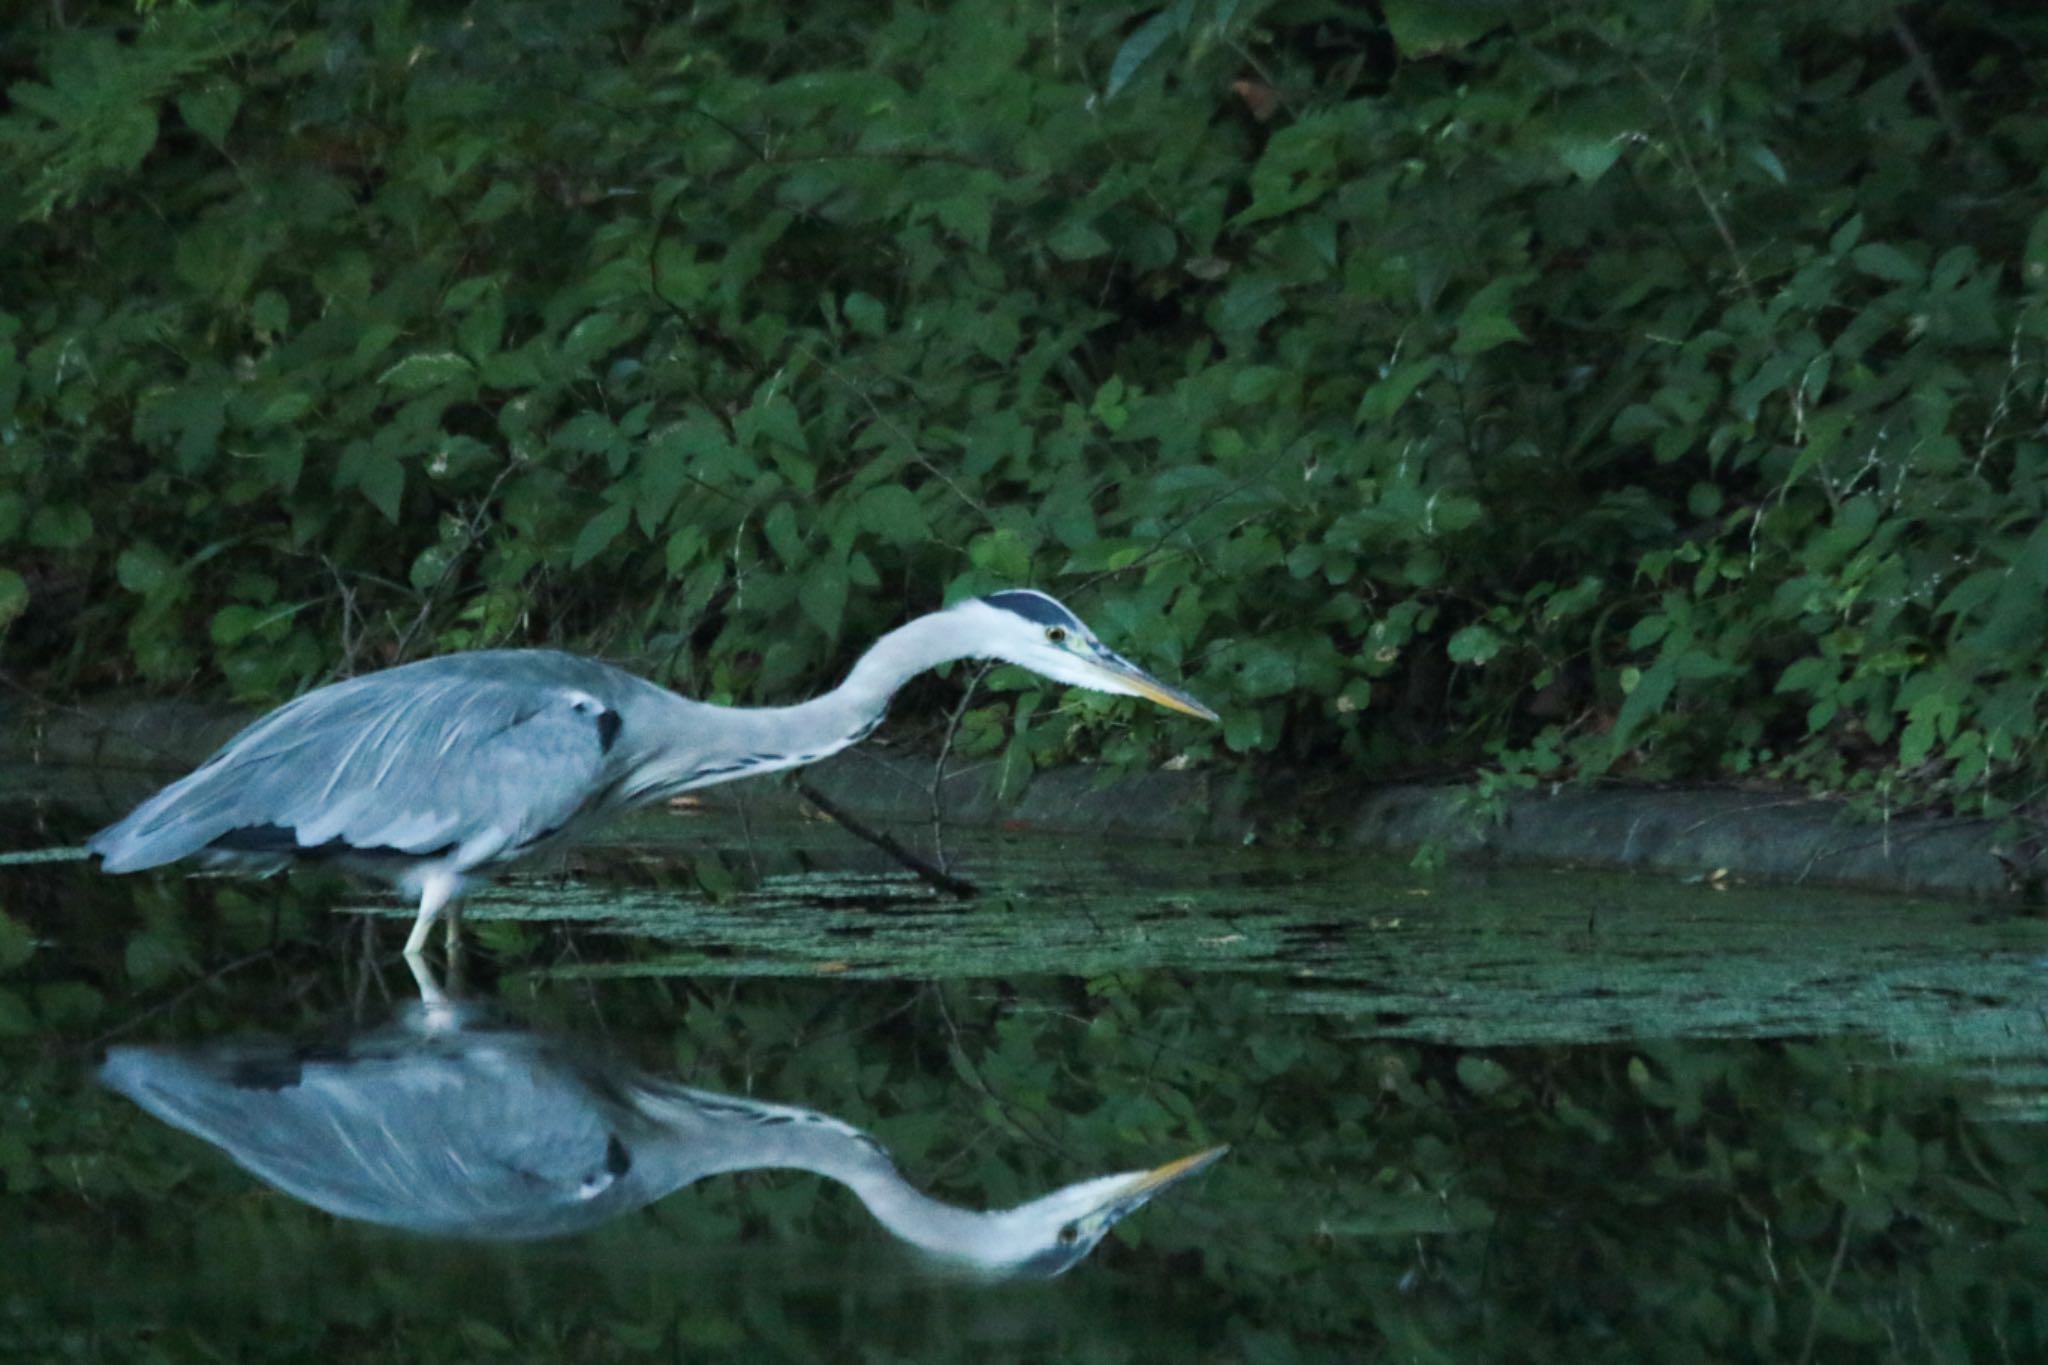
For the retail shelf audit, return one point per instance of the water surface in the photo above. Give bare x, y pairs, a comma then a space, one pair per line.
1474, 1115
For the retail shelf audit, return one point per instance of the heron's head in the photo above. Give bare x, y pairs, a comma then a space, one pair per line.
1033, 631
1054, 1233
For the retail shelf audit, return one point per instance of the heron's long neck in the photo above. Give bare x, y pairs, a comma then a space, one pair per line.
938, 1228
744, 1135
827, 724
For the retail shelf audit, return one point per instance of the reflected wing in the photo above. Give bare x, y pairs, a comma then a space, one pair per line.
472, 755
480, 1142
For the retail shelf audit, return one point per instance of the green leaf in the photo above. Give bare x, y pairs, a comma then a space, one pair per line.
1075, 240
1588, 158
1145, 40
1887, 262
154, 956
1766, 160
893, 512
597, 335
142, 568
866, 313
60, 526
232, 625
1485, 324
1475, 644
783, 536
1244, 729
466, 294
599, 532
1265, 670
776, 419
1385, 398
1813, 675
969, 214
823, 597
1653, 687
1847, 235
1003, 554
1424, 28
269, 313
382, 479
209, 110
1482, 1075
664, 469
427, 370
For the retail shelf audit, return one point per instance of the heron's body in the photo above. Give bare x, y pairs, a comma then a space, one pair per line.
437, 773
448, 769
442, 1127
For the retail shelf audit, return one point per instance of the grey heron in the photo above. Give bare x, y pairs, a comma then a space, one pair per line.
434, 775
500, 1133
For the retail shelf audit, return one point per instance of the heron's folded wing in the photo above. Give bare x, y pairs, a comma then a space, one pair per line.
473, 1144
404, 764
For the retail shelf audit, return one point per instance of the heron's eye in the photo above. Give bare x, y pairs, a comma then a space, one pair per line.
1071, 1233
1056, 634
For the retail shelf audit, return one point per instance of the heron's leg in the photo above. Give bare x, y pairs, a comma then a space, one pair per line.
436, 890
431, 994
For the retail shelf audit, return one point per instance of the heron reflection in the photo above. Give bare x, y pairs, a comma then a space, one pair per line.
449, 1123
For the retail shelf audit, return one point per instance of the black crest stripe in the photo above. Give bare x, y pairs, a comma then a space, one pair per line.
1034, 606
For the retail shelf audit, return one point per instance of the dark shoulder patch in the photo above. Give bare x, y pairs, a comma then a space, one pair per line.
1034, 606
609, 722
617, 1160
265, 1073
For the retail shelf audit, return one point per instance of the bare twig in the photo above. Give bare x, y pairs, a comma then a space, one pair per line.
945, 881
1682, 149
1923, 71
945, 752
894, 428
473, 529
351, 619
1826, 1290
135, 1021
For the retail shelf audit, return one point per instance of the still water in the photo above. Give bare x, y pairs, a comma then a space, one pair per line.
1473, 1115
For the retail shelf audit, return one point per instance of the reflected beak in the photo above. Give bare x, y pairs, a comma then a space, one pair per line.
1149, 687
1149, 1183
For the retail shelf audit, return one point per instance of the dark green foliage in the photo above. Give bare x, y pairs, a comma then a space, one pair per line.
1588, 386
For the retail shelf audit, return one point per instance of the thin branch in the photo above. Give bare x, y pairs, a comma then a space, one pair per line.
1923, 71
473, 529
945, 752
1826, 1291
938, 877
890, 425
133, 1022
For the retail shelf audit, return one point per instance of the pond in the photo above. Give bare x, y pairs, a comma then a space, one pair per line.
1472, 1114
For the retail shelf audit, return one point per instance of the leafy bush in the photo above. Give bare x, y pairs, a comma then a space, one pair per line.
1575, 389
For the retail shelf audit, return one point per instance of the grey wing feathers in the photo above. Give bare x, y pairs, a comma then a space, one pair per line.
473, 1143
451, 756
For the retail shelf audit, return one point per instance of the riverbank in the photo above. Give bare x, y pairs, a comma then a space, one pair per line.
1710, 835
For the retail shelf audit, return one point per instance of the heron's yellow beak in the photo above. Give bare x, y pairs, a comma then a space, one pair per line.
1150, 688
1153, 1181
